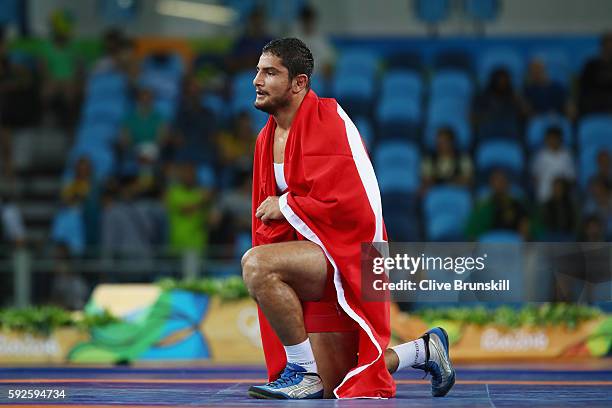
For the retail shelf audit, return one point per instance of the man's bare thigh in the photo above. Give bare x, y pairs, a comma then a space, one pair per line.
300, 264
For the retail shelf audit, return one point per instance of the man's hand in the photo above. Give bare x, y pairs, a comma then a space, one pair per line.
269, 210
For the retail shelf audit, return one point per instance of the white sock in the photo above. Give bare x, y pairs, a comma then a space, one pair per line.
301, 354
410, 353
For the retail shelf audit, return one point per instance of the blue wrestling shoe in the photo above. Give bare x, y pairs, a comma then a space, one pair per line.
438, 362
294, 383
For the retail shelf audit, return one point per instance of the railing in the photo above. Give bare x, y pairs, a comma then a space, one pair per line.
24, 264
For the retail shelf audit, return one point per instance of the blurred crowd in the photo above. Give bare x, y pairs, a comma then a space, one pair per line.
178, 177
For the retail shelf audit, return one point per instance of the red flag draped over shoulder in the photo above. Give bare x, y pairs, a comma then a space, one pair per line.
333, 200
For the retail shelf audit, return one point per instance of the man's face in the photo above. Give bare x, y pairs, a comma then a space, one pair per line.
272, 85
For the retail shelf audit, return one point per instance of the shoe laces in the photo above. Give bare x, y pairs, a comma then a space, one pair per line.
285, 379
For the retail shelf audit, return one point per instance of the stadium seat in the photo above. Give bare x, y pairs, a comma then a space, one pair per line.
354, 92
108, 85
445, 106
557, 63
432, 11
242, 83
595, 130
503, 154
494, 58
482, 10
453, 83
399, 117
319, 85
446, 210
99, 133
205, 175
357, 62
402, 82
398, 166
215, 104
405, 60
460, 60
104, 110
537, 127
401, 216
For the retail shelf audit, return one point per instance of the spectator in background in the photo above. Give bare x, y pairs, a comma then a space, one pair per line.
12, 228
87, 191
553, 161
319, 44
559, 213
193, 129
144, 129
498, 110
68, 289
67, 228
592, 230
248, 46
18, 93
604, 167
595, 85
127, 231
543, 95
62, 73
598, 204
232, 212
236, 148
499, 211
188, 210
446, 165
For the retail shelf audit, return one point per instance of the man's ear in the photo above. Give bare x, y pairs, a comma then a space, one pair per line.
300, 82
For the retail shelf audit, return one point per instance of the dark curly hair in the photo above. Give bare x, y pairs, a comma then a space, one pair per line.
294, 54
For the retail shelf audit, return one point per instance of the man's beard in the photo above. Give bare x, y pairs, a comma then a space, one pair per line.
272, 105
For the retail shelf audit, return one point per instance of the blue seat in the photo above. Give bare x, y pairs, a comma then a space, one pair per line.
401, 216
101, 110
215, 104
242, 83
166, 108
536, 130
398, 166
357, 62
10, 11
205, 174
398, 117
508, 58
454, 59
405, 60
557, 63
504, 154
99, 133
431, 11
453, 83
595, 130
446, 210
354, 92
443, 106
400, 83
106, 85
161, 84
482, 10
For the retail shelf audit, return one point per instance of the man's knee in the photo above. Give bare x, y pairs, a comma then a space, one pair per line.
255, 269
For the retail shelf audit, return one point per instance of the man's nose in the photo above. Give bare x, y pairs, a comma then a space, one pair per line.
257, 80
